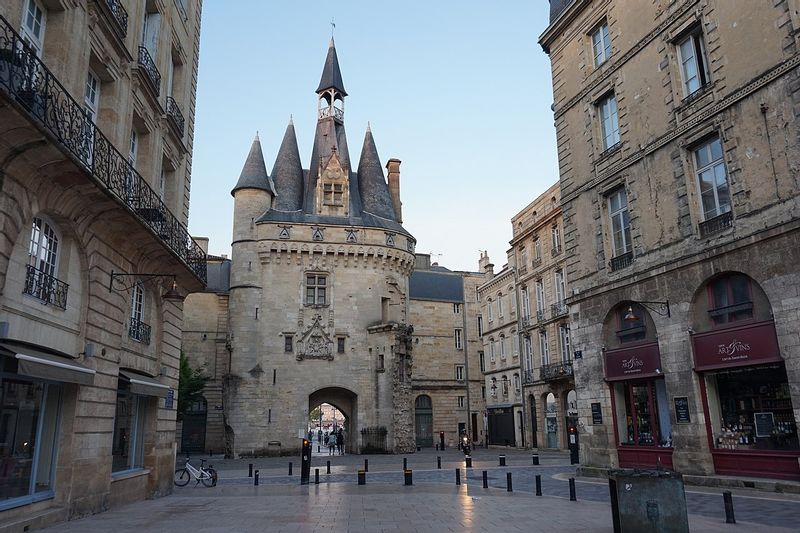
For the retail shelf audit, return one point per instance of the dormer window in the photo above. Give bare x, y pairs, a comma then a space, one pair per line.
333, 194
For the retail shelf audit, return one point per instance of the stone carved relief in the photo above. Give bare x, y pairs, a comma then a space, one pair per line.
315, 343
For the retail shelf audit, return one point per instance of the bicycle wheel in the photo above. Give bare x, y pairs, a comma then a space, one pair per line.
207, 477
214, 476
182, 477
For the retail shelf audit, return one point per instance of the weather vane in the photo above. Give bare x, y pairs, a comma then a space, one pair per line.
333, 27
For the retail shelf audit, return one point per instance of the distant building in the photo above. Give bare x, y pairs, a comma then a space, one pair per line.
96, 132
678, 148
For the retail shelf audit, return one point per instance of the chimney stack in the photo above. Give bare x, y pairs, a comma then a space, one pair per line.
485, 264
393, 170
202, 242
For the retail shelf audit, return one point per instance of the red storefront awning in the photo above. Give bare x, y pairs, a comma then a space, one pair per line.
749, 344
640, 361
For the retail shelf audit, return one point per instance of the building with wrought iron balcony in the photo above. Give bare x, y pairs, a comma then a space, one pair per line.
96, 256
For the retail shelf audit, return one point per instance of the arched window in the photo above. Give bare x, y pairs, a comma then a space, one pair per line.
730, 299
138, 330
42, 267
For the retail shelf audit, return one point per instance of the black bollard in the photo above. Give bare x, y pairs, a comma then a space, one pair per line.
535, 459
316, 476
509, 487
728, 499
458, 476
572, 496
502, 460
468, 459
538, 485
329, 468
408, 479
366, 465
485, 480
318, 448
405, 463
250, 471
362, 477
290, 468
255, 479
438, 462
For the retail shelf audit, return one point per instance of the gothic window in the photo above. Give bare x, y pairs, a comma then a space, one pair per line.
316, 289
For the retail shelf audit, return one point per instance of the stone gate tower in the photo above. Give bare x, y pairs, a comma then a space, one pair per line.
319, 292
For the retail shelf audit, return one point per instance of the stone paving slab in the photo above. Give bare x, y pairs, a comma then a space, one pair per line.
377, 507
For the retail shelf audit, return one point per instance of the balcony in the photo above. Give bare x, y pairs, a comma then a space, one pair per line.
139, 331
621, 261
24, 78
540, 315
119, 15
525, 321
716, 224
556, 251
556, 371
45, 287
528, 377
523, 269
149, 67
558, 309
175, 116
537, 262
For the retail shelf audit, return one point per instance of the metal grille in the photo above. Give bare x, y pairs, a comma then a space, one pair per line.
149, 67
139, 331
621, 261
555, 371
174, 114
558, 309
716, 224
45, 287
120, 15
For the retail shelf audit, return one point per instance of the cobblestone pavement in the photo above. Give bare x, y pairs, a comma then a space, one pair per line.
434, 503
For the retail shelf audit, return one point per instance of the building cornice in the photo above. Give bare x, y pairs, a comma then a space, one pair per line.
557, 26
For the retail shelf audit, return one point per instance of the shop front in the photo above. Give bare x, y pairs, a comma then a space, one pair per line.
501, 426
643, 430
746, 398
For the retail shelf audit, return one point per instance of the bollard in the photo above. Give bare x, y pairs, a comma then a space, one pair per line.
405, 463
250, 471
407, 474
485, 480
290, 468
509, 488
538, 485
458, 476
329, 468
316, 476
535, 459
728, 499
572, 496
255, 479
419, 448
362, 477
366, 465
468, 459
438, 462
318, 448
502, 461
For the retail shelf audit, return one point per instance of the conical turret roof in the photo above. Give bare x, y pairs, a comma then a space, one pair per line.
372, 186
254, 173
331, 75
288, 173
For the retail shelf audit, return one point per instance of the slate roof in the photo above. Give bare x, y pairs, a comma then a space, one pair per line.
254, 173
372, 185
439, 286
331, 75
557, 7
287, 174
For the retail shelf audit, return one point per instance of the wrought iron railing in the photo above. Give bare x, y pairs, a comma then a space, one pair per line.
558, 309
149, 67
525, 321
139, 331
174, 114
556, 250
555, 371
325, 112
621, 261
45, 287
537, 262
25, 78
120, 15
716, 224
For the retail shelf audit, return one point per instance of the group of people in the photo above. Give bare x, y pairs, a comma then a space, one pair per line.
334, 440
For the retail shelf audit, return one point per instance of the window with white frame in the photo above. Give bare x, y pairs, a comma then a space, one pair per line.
316, 289
560, 286
694, 62
528, 353
512, 297
517, 387
162, 185
457, 338
523, 258
556, 235
461, 402
43, 250
91, 96
526, 302
515, 344
544, 347
563, 344
540, 299
493, 388
620, 222
457, 308
491, 350
138, 330
609, 121
133, 152
33, 23
460, 372
500, 305
502, 346
537, 250
601, 44
712, 179
490, 310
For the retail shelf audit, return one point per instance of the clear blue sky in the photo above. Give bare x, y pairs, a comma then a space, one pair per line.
459, 91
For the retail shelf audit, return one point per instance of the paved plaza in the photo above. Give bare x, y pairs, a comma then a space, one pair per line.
433, 503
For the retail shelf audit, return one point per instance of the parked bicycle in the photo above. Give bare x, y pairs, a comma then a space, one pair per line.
206, 475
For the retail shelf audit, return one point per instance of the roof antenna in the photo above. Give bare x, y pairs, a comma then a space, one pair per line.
333, 27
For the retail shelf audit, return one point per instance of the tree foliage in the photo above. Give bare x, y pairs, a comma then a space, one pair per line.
191, 382
313, 416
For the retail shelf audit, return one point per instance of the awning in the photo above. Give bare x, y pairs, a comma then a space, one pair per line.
38, 363
144, 385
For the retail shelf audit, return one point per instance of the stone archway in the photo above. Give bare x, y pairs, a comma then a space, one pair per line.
346, 402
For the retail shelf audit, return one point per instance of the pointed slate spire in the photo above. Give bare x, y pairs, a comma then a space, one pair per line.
331, 75
372, 187
254, 173
288, 173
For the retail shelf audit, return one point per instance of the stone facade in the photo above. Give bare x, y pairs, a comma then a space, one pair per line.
678, 147
543, 322
90, 349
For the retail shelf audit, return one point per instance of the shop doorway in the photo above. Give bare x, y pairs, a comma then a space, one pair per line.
193, 434
551, 421
423, 420
333, 409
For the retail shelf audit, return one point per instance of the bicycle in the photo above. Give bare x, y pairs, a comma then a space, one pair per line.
208, 476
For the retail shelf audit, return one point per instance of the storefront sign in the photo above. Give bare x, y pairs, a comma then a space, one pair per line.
639, 361
597, 414
682, 410
750, 344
